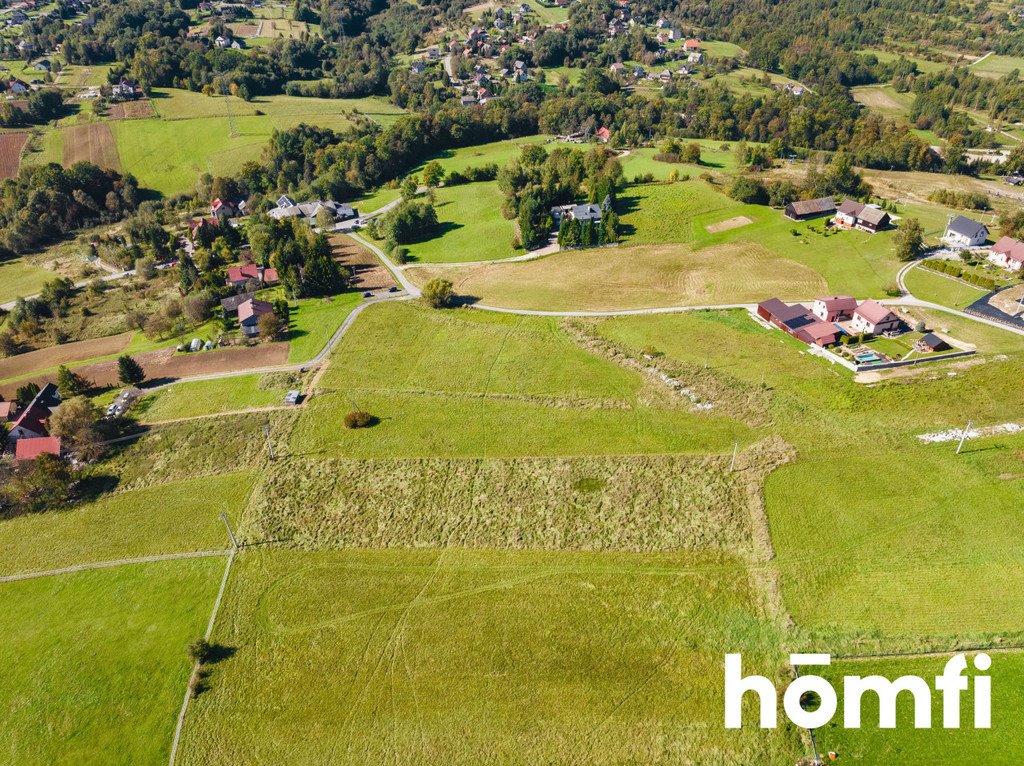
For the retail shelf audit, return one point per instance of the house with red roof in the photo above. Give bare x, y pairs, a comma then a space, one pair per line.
872, 318
26, 450
692, 45
8, 411
603, 135
250, 272
31, 422
1008, 253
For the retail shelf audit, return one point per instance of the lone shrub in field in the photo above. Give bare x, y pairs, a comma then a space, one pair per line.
359, 419
438, 293
200, 650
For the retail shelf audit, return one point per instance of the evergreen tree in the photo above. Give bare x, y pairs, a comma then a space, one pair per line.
70, 384
129, 372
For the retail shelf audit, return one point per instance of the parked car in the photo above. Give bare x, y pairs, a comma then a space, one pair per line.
292, 397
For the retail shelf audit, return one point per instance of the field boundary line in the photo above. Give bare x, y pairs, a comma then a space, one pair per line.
114, 563
194, 676
925, 655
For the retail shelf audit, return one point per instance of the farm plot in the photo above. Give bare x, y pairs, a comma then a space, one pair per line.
453, 657
131, 110
46, 359
464, 383
91, 143
176, 517
640, 504
607, 279
884, 99
368, 273
95, 662
11, 145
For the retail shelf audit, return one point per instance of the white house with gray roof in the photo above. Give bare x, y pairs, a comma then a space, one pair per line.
965, 232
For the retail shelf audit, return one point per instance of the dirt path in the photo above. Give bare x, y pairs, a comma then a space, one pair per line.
109, 564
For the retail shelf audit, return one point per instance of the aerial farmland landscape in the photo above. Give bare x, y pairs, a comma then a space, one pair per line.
548, 382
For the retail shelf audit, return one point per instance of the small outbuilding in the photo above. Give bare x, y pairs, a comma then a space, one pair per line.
931, 343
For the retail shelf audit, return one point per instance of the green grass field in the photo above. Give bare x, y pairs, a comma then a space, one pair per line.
893, 543
931, 286
178, 517
462, 657
712, 157
312, 322
206, 397
998, 66
18, 278
500, 153
471, 226
870, 744
467, 383
923, 65
95, 663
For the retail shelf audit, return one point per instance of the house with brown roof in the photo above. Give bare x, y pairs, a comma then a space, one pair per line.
872, 318
930, 343
797, 321
857, 215
26, 450
802, 210
249, 314
1008, 253
834, 308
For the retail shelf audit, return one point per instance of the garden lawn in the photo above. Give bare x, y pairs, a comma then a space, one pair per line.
177, 517
95, 663
471, 227
463, 657
998, 746
207, 397
19, 279
931, 286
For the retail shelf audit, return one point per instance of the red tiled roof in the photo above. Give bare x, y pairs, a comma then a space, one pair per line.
820, 330
6, 410
692, 43
873, 311
270, 276
30, 449
1010, 248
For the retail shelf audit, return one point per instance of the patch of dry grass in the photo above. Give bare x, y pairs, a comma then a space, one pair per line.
634, 277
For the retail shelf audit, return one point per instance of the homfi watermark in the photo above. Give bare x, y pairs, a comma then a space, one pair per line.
951, 684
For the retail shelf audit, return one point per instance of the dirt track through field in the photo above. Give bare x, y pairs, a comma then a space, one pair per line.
91, 143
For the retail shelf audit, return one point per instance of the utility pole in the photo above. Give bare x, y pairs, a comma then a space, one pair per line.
270, 444
234, 542
963, 436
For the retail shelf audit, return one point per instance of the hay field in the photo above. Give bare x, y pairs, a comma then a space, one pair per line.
93, 143
11, 146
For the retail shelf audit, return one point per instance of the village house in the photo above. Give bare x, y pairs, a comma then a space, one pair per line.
797, 321
126, 90
27, 450
803, 210
582, 213
31, 422
965, 232
250, 272
692, 44
8, 411
1008, 253
857, 215
249, 313
696, 57
834, 308
223, 209
872, 318
1014, 179
418, 67
603, 135
309, 211
232, 302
